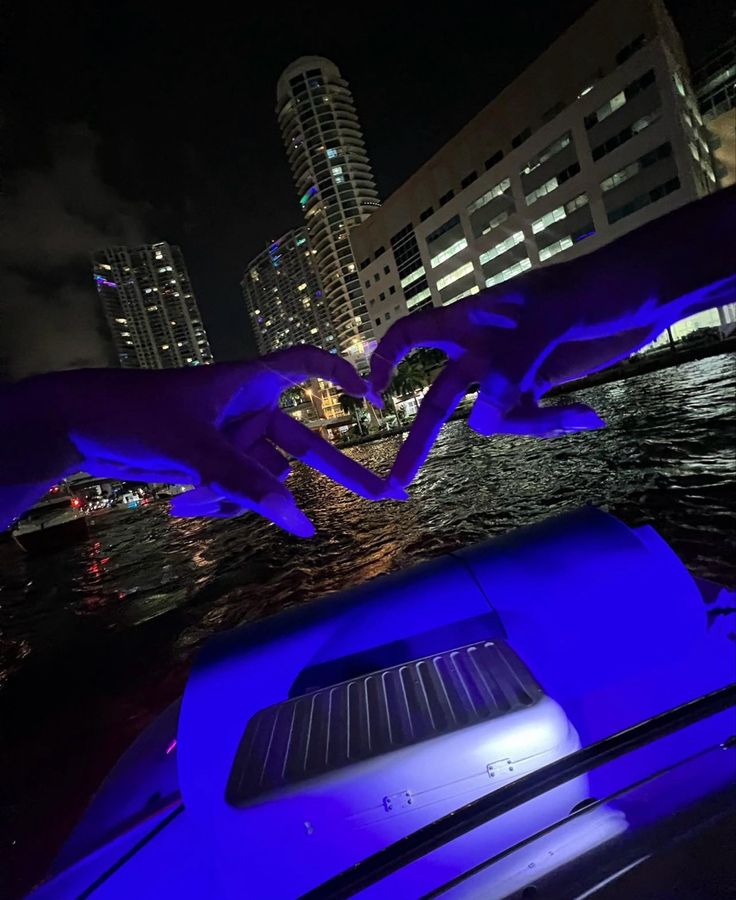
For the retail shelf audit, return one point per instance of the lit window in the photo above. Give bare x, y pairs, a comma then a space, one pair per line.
461, 295
554, 216
454, 276
557, 247
302, 286
516, 238
313, 330
122, 321
422, 295
412, 276
450, 251
331, 153
337, 170
618, 100
516, 269
164, 346
622, 175
496, 191
548, 152
561, 212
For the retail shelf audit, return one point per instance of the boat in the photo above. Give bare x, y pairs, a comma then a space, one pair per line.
547, 714
57, 520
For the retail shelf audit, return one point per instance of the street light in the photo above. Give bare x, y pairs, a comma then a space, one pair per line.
309, 393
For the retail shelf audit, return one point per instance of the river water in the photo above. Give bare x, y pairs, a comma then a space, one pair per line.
96, 640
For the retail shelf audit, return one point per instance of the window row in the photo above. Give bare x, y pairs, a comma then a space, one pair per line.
625, 134
618, 100
559, 213
496, 191
649, 159
552, 183
446, 226
459, 273
547, 153
516, 238
446, 254
516, 269
643, 200
565, 242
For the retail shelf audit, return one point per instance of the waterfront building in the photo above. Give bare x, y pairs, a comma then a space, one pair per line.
286, 306
284, 297
334, 183
601, 134
149, 305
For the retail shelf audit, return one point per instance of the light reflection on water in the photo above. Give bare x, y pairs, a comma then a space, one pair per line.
95, 640
667, 458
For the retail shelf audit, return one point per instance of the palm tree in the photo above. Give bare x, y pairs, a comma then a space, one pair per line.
411, 376
352, 406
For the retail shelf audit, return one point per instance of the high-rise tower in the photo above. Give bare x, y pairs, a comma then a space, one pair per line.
150, 307
284, 296
335, 186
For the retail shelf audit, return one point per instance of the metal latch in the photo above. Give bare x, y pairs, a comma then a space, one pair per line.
500, 767
402, 800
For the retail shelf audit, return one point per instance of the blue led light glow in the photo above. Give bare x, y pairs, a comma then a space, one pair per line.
308, 195
607, 619
103, 282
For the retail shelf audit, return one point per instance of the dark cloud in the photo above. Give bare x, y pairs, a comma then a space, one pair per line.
52, 219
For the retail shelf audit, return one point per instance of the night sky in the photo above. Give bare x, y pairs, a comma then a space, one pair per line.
131, 121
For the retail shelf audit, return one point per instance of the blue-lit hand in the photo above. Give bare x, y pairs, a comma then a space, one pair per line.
559, 323
218, 427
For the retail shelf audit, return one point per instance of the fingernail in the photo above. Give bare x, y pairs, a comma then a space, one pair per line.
285, 513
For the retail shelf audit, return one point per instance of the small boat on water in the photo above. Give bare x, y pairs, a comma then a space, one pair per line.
548, 714
57, 520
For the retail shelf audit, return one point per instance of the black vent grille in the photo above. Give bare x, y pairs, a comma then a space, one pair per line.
377, 713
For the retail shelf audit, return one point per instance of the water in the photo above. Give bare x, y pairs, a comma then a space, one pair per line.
94, 641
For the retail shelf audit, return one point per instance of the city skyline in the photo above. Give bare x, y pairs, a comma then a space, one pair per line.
203, 207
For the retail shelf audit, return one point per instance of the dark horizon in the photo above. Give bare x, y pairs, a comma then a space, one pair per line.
178, 113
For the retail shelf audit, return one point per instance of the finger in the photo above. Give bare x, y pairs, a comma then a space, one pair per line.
231, 474
550, 421
443, 396
266, 455
298, 364
496, 396
200, 501
109, 468
313, 450
424, 329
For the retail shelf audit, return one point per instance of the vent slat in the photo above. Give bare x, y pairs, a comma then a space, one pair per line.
377, 713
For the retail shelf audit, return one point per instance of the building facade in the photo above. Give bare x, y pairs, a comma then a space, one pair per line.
715, 85
334, 183
286, 306
284, 296
150, 307
601, 134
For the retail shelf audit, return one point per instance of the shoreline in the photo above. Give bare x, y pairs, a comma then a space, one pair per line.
630, 368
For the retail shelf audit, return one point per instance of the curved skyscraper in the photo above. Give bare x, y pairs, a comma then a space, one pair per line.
335, 186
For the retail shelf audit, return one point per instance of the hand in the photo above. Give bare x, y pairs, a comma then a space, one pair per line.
559, 323
217, 427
